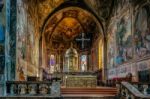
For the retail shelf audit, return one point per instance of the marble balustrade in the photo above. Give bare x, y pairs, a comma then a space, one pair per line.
32, 87
132, 91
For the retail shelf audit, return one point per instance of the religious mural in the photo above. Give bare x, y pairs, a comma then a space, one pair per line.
142, 32
25, 43
119, 45
21, 40
119, 38
124, 39
30, 41
27, 40
119, 41
45, 7
111, 45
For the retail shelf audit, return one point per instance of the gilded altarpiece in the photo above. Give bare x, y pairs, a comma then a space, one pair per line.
71, 60
73, 77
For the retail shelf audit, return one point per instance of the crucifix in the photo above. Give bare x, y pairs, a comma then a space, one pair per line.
83, 39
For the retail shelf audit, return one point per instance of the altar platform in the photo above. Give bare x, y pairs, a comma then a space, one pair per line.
74, 93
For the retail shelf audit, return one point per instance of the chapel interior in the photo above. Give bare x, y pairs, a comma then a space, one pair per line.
73, 49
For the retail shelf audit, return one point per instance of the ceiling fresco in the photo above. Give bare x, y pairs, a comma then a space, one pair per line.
67, 24
38, 10
68, 28
47, 6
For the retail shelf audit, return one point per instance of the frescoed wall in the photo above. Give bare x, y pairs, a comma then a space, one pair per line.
142, 32
27, 49
119, 41
111, 45
124, 39
21, 41
128, 41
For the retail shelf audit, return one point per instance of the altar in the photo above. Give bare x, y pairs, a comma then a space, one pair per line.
73, 75
80, 81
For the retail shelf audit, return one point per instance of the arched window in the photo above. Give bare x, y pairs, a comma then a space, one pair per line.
83, 63
52, 63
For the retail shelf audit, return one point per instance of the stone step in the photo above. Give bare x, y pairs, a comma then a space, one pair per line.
100, 91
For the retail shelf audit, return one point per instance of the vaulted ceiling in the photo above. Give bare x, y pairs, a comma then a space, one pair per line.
68, 23
40, 9
103, 8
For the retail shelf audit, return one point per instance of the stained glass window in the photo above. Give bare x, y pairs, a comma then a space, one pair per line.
83, 62
52, 63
